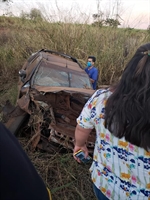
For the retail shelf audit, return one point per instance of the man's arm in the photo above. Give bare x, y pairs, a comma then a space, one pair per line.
94, 76
92, 81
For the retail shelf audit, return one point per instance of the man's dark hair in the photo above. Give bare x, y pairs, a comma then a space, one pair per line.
93, 58
127, 111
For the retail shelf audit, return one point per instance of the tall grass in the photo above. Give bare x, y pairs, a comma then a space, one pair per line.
19, 37
112, 47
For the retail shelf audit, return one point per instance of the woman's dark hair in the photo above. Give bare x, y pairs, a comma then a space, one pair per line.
128, 108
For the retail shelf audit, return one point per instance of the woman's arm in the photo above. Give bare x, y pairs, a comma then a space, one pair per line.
85, 124
81, 136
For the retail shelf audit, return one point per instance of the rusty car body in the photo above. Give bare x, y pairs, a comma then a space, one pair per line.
52, 90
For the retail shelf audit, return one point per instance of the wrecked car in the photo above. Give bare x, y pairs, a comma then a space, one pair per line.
52, 90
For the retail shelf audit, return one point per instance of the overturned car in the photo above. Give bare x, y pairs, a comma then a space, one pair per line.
52, 90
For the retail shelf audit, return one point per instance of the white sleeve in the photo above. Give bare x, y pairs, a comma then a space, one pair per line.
88, 114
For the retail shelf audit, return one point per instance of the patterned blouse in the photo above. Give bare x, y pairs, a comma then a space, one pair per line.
120, 169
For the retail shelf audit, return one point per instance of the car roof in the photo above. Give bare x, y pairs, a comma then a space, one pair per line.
63, 62
55, 60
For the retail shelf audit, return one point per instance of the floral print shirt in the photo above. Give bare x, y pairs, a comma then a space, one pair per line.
119, 169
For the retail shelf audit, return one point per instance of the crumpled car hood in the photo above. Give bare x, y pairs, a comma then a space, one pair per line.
53, 115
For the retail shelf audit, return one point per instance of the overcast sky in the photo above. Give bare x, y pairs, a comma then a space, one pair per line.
133, 13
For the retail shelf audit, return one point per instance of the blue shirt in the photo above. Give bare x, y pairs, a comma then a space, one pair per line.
93, 74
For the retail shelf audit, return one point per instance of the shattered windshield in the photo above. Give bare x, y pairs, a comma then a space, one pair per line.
55, 78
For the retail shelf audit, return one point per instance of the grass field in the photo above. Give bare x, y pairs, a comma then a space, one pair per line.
113, 47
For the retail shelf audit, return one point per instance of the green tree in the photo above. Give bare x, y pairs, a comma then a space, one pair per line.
112, 22
35, 14
98, 19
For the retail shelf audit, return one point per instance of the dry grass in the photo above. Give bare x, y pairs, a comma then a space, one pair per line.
66, 179
112, 47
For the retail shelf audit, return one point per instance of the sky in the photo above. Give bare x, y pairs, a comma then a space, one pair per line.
131, 13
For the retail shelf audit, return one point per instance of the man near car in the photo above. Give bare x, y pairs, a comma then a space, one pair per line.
92, 71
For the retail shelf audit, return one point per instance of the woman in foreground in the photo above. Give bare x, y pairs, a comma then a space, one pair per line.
121, 118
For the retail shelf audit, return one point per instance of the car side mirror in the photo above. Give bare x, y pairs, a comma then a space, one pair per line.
22, 74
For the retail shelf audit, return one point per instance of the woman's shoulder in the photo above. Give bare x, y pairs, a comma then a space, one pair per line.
102, 93
99, 98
